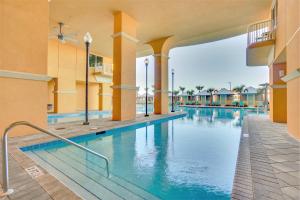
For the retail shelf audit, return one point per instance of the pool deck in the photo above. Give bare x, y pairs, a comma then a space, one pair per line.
45, 186
268, 164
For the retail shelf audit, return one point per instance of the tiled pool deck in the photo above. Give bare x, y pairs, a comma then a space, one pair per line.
268, 163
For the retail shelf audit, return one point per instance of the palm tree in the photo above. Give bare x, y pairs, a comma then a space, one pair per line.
199, 88
239, 90
181, 89
190, 93
211, 90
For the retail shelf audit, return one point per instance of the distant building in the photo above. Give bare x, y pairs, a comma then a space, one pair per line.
224, 97
249, 96
203, 97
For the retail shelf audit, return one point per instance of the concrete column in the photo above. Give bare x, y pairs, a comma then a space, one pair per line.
278, 93
23, 63
124, 60
161, 50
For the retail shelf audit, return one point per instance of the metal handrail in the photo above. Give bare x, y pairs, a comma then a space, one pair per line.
6, 190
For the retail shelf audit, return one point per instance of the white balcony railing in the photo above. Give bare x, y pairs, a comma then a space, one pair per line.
261, 32
105, 69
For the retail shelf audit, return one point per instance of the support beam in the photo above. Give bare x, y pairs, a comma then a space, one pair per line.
124, 59
161, 49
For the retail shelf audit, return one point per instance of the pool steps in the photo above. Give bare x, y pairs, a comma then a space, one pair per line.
92, 178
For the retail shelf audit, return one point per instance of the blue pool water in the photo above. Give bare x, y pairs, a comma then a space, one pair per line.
70, 117
59, 118
190, 157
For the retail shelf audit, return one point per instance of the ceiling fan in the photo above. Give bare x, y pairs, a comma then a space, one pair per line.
60, 36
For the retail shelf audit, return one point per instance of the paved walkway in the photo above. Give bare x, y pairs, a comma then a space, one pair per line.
268, 163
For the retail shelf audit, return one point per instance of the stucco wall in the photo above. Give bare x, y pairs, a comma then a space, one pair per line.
293, 62
67, 63
93, 102
23, 50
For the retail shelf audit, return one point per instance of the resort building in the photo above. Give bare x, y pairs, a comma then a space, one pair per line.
183, 97
66, 71
249, 96
53, 70
275, 42
224, 97
203, 97
60, 57
141, 99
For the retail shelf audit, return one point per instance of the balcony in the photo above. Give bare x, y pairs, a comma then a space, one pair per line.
261, 40
104, 70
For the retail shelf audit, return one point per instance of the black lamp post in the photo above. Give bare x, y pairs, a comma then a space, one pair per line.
172, 110
87, 40
146, 64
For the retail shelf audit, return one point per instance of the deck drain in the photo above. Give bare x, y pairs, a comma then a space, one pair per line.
34, 171
60, 128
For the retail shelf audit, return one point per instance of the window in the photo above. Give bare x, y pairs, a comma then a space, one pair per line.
95, 61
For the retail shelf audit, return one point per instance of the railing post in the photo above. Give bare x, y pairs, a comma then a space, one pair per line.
5, 179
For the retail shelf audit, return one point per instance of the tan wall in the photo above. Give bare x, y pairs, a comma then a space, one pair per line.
93, 103
105, 96
66, 62
278, 94
22, 99
281, 28
51, 91
293, 62
278, 108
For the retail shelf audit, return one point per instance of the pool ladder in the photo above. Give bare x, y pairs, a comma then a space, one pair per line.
5, 176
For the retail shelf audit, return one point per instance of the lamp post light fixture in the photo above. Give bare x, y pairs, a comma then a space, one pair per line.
172, 110
87, 40
146, 65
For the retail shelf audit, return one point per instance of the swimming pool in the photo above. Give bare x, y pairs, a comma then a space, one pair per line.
71, 117
190, 157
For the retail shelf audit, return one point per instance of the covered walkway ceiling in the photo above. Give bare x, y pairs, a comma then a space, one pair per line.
189, 21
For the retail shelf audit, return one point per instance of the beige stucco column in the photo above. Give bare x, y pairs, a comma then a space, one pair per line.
161, 49
124, 74
23, 63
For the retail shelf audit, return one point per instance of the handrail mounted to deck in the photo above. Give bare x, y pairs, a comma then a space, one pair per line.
5, 175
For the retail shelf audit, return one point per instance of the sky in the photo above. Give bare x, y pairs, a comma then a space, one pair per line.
211, 64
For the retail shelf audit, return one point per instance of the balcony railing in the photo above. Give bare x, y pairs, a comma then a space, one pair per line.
106, 69
261, 32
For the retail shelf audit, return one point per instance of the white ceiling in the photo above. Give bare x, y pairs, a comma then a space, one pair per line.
189, 21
